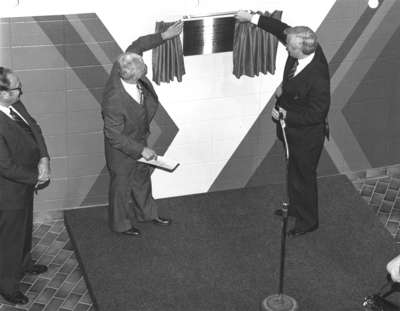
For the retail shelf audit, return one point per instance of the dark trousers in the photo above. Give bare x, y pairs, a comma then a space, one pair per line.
130, 197
15, 247
302, 180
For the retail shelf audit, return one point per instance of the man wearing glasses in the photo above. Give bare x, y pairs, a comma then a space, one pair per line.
24, 165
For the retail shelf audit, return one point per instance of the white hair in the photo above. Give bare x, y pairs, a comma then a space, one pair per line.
129, 64
308, 38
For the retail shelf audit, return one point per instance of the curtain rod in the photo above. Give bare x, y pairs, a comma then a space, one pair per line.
214, 15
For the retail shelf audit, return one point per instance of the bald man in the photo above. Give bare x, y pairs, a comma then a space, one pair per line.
129, 104
24, 164
303, 102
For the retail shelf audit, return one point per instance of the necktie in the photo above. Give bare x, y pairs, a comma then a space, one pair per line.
140, 92
292, 70
140, 87
21, 122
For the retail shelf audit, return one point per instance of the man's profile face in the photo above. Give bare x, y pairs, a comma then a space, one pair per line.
141, 69
293, 46
12, 95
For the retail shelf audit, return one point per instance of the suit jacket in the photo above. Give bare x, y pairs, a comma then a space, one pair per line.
19, 157
306, 97
125, 128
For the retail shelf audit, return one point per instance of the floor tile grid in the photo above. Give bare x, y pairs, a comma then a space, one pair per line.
62, 287
382, 193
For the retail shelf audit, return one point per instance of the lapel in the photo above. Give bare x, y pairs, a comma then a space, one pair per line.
12, 125
132, 108
8, 122
121, 90
117, 84
289, 64
17, 106
5, 120
146, 89
306, 70
149, 87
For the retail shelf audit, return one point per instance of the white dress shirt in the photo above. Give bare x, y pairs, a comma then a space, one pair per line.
6, 110
303, 63
132, 90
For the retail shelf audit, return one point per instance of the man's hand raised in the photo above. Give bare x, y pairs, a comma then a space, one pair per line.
173, 30
243, 16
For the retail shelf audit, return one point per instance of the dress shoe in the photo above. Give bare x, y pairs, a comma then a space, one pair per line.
16, 298
132, 231
36, 269
298, 232
161, 221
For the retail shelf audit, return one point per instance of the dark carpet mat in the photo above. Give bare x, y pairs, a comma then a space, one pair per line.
222, 253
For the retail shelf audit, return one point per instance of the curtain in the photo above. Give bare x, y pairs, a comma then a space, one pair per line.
254, 50
167, 59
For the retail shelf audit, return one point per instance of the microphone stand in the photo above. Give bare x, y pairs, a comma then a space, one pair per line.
280, 301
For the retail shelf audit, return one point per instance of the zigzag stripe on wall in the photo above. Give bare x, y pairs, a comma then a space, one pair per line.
343, 152
64, 62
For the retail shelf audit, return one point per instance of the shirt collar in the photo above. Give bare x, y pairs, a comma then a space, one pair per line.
6, 110
305, 61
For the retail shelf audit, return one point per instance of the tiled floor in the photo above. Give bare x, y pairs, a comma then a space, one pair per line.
63, 288
382, 193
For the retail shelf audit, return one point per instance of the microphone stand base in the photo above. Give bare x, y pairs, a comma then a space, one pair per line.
279, 302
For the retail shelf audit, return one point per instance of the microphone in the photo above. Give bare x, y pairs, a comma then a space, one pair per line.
281, 117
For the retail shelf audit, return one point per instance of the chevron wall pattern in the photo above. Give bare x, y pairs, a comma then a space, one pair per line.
64, 62
218, 127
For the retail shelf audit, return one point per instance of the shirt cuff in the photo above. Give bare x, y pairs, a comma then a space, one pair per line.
255, 18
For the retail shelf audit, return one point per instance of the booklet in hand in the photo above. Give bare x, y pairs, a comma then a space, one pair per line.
162, 163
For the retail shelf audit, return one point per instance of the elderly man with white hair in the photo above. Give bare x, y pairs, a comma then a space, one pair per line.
129, 104
303, 102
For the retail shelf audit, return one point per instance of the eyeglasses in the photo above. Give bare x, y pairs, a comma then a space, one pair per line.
15, 89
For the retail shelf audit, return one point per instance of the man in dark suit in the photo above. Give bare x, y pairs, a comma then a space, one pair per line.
303, 102
24, 164
129, 104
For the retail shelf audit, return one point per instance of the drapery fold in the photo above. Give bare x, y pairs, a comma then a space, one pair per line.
254, 50
167, 59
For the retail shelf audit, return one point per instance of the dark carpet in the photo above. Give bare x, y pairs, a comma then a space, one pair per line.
222, 253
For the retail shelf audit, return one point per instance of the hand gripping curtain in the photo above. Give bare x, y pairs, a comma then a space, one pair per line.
167, 59
254, 50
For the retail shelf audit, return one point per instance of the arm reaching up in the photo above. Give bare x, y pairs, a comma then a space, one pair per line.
173, 31
148, 42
